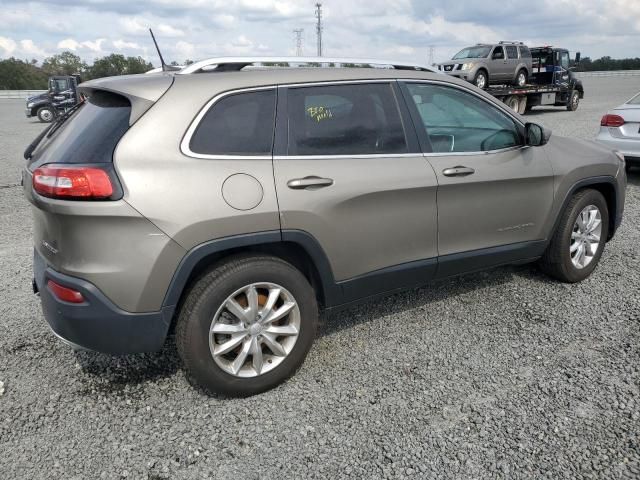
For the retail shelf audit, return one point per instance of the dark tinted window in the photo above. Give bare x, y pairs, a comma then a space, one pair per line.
91, 134
498, 52
512, 52
457, 121
525, 52
239, 124
344, 120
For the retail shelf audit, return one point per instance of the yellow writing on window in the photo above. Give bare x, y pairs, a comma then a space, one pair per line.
319, 113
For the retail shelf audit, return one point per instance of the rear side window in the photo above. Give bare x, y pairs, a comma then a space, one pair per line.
91, 134
344, 120
525, 52
512, 52
238, 124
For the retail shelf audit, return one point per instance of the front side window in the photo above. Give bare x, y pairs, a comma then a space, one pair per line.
512, 52
356, 119
498, 52
457, 121
564, 60
238, 124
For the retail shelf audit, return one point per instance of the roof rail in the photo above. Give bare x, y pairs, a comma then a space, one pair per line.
503, 42
234, 64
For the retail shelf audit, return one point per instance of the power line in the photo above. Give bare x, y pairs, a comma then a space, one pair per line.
298, 33
319, 27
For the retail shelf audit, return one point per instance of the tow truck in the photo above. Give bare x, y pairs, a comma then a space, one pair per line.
552, 82
61, 96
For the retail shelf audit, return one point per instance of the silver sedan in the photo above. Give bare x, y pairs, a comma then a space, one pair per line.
620, 130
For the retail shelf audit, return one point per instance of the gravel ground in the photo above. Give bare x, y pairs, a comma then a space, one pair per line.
502, 374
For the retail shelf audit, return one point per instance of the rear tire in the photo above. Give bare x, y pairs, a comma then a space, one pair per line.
513, 103
521, 78
561, 258
246, 284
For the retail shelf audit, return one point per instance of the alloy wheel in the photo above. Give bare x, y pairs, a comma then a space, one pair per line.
585, 236
254, 330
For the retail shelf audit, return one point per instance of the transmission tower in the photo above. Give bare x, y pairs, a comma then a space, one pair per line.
319, 27
298, 33
431, 55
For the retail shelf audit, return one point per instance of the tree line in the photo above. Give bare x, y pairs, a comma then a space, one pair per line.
16, 74
607, 63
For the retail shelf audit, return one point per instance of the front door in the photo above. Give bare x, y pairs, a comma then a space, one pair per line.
349, 179
493, 191
499, 65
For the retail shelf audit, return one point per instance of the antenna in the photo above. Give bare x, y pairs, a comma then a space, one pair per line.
298, 33
164, 65
319, 27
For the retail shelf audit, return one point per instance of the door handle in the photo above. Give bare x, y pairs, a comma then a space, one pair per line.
310, 183
458, 171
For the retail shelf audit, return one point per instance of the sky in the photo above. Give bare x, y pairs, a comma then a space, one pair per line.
387, 29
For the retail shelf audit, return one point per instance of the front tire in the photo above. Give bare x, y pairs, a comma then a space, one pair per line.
45, 114
574, 101
578, 243
481, 80
246, 326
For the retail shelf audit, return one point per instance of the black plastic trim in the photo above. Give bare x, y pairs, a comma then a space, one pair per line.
97, 324
195, 255
398, 277
475, 260
615, 216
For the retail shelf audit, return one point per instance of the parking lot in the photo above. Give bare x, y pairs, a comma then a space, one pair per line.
500, 374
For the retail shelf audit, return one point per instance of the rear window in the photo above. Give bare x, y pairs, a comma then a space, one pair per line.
238, 124
91, 134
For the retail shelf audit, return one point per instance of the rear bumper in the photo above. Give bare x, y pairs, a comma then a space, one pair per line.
97, 324
629, 147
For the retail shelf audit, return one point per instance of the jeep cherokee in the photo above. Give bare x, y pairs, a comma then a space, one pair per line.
235, 202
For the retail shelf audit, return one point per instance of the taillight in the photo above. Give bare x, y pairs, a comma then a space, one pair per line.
58, 181
64, 293
610, 120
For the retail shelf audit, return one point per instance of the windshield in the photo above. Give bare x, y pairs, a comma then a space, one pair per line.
472, 52
57, 85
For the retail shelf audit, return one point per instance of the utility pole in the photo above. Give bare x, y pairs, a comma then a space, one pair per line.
319, 27
431, 55
298, 33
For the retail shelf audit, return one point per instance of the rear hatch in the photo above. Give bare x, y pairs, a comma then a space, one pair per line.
82, 225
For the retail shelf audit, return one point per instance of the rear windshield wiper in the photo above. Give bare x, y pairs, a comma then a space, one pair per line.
62, 118
28, 153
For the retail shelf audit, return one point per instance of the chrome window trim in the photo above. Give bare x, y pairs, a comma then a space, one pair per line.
185, 147
358, 156
186, 140
476, 154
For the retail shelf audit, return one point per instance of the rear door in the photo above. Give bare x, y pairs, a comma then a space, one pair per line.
350, 174
512, 60
493, 191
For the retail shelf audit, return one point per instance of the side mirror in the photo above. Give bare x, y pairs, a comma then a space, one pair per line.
577, 57
536, 135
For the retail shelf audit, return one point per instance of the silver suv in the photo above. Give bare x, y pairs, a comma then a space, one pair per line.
485, 64
237, 202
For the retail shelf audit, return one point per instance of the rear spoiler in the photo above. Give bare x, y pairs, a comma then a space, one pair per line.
142, 91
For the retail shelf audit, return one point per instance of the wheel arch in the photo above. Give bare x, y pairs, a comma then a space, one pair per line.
606, 185
296, 247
